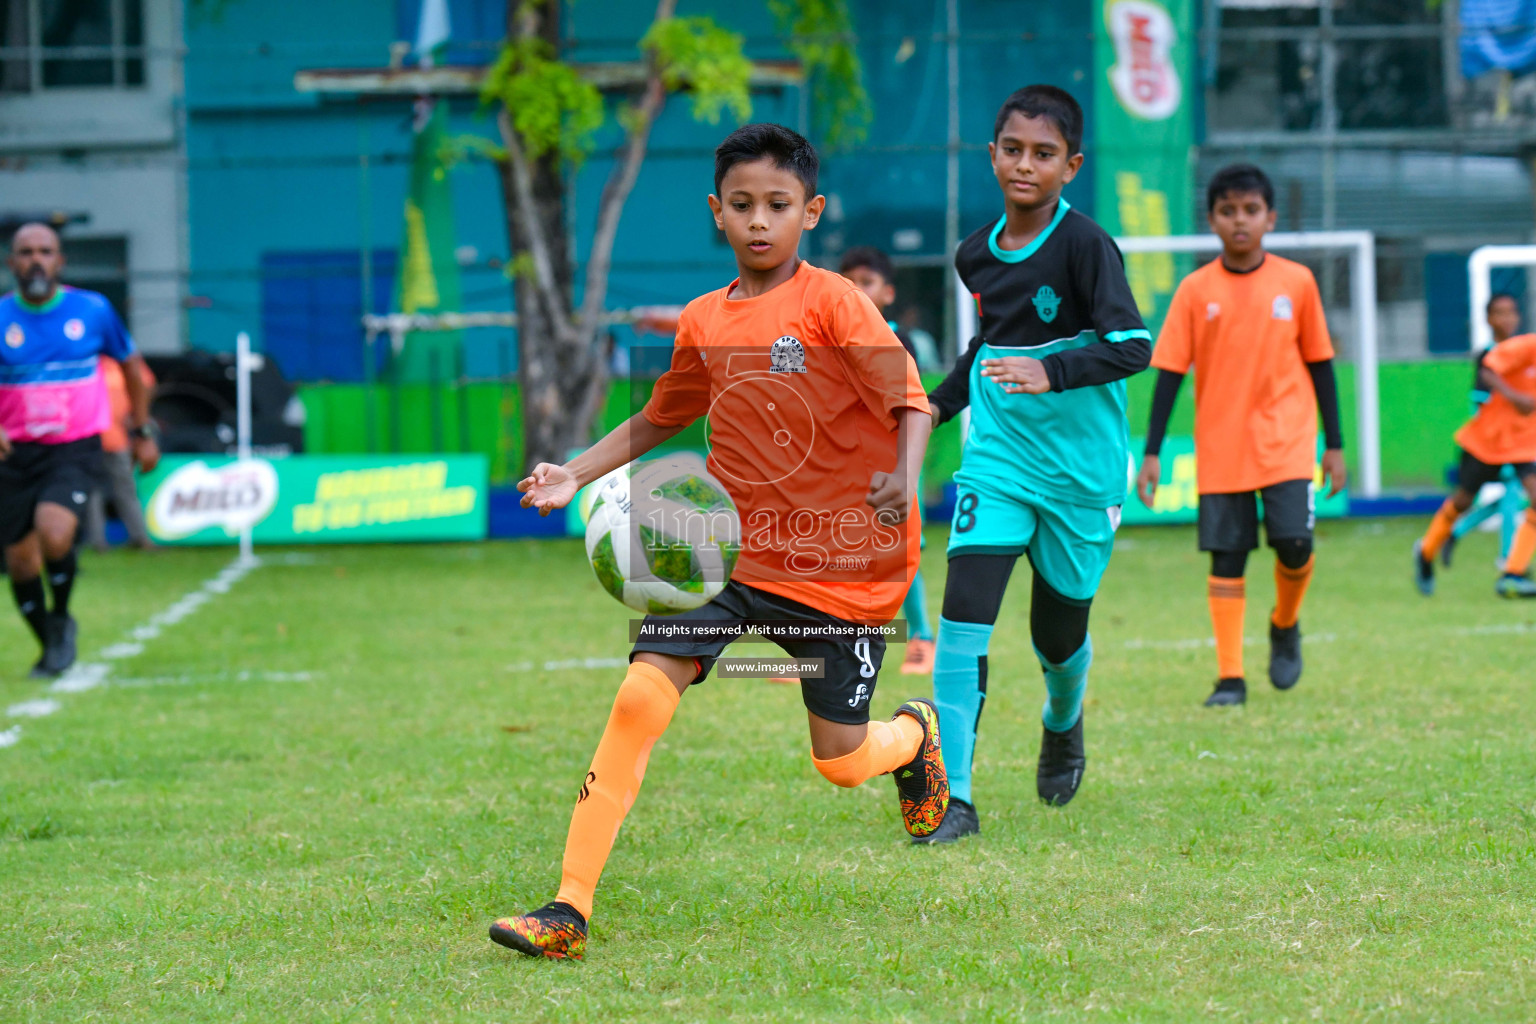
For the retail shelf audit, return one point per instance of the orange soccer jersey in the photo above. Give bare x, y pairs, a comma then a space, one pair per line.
801, 386
1500, 433
1248, 338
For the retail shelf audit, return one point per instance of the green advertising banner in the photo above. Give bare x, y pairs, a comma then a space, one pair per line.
1144, 133
306, 499
1178, 498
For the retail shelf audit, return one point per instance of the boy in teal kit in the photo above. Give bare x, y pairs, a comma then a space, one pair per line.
1044, 470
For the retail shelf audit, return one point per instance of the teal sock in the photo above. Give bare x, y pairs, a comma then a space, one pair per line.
959, 690
915, 610
1065, 685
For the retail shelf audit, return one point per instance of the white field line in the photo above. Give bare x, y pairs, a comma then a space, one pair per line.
569, 663
244, 676
1194, 643
89, 675
33, 708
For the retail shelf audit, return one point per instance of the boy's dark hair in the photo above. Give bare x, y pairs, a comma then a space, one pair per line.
870, 257
1239, 179
787, 149
1495, 297
1053, 104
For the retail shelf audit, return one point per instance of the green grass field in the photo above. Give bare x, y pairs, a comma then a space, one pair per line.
309, 798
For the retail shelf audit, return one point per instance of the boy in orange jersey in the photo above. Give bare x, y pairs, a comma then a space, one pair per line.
818, 426
1251, 326
1501, 433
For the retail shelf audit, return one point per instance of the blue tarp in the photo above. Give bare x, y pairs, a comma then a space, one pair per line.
1497, 34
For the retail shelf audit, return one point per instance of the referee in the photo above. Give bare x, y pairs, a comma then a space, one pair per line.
53, 409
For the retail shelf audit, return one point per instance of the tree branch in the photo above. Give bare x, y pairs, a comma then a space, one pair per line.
547, 283
621, 182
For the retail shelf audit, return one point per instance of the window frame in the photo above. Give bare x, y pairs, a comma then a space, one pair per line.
1327, 36
118, 53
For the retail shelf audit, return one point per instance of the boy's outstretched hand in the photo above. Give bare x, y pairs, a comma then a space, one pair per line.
1147, 478
1333, 470
1018, 374
889, 498
547, 488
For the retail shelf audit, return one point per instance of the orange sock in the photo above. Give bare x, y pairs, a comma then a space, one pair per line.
1523, 546
641, 712
1227, 598
1439, 530
888, 746
1290, 588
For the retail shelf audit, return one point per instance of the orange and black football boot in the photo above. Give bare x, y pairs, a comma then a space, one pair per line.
554, 930
922, 783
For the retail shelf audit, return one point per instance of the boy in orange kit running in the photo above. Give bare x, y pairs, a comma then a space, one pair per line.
1251, 326
1501, 433
818, 425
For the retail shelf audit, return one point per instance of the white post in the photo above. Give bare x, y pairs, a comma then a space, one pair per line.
1367, 394
243, 423
1483, 260
969, 326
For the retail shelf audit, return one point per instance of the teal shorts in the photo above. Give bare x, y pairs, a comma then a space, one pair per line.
1068, 545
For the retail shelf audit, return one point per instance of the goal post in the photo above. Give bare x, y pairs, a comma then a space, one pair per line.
1480, 267
1360, 249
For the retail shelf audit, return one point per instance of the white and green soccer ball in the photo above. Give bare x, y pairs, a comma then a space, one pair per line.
663, 535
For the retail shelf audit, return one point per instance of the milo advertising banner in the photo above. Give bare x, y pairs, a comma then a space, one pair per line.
1178, 496
316, 499
1144, 51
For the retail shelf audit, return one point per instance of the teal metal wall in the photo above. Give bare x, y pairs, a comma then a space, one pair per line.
275, 172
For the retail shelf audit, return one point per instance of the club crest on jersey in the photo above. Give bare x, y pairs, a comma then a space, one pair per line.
1212, 311
1281, 310
14, 336
786, 356
1047, 303
74, 329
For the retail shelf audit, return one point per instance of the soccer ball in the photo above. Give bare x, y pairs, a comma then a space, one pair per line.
663, 535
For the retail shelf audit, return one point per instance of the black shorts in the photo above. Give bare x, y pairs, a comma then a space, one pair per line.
1474, 472
62, 474
842, 695
1230, 522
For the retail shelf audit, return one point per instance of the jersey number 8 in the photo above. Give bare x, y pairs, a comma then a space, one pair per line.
966, 519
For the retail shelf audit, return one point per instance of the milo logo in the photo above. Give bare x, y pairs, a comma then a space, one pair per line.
197, 497
1144, 77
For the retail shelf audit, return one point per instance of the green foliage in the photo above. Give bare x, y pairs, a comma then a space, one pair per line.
552, 108
458, 149
698, 54
821, 36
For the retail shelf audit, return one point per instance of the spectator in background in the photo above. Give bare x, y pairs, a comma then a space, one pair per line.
117, 461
